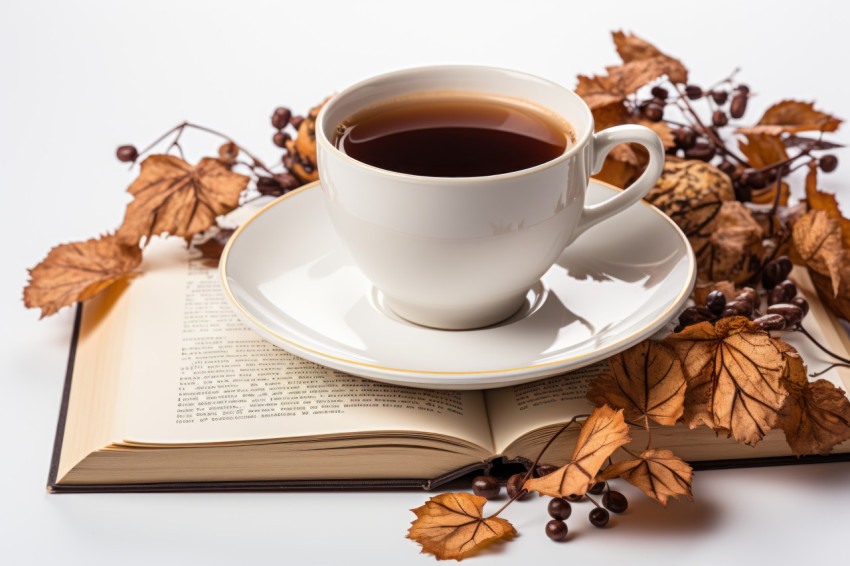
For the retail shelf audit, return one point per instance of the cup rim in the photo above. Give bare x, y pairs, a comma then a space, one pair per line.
581, 140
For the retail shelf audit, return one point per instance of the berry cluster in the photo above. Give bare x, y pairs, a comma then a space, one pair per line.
700, 138
560, 508
785, 309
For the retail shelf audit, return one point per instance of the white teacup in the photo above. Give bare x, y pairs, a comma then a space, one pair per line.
462, 252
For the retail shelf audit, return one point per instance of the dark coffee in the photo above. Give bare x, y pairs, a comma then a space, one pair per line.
454, 135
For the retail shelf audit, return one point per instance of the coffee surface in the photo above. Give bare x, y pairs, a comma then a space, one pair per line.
453, 135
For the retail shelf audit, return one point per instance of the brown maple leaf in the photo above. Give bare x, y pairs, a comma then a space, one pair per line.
452, 526
762, 150
839, 303
792, 116
819, 200
632, 48
171, 196
78, 271
815, 417
657, 472
735, 246
645, 381
817, 239
602, 433
734, 372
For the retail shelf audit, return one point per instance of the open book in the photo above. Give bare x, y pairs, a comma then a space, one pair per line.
167, 389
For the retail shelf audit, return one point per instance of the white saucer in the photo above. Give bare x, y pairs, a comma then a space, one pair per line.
292, 282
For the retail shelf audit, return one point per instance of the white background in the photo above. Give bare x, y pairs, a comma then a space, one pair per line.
79, 78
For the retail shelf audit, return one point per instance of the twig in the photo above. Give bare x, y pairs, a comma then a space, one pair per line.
819, 345
829, 367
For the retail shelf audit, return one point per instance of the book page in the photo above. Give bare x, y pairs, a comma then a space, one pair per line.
200, 375
515, 411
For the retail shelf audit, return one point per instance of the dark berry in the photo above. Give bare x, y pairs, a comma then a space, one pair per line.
653, 112
560, 508
802, 303
599, 517
772, 275
727, 167
684, 138
753, 178
743, 88
287, 181
828, 163
702, 151
693, 92
715, 302
719, 96
770, 322
574, 497
737, 308
743, 192
597, 488
544, 470
789, 290
296, 121
791, 313
556, 530
127, 153
514, 486
659, 92
719, 118
280, 118
280, 139
738, 105
695, 315
748, 294
615, 502
486, 486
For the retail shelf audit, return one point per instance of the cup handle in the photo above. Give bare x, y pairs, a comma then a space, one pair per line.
602, 143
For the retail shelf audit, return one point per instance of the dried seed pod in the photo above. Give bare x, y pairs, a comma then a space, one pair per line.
750, 295
802, 303
280, 118
771, 322
701, 151
739, 104
127, 153
738, 308
789, 290
791, 313
694, 315
719, 96
715, 302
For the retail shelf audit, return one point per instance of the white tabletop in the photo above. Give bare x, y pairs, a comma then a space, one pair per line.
79, 78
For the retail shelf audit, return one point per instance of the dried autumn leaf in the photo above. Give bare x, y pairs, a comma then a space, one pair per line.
632, 48
792, 116
819, 200
762, 150
452, 526
599, 91
622, 80
645, 380
839, 303
692, 193
170, 196
617, 173
78, 271
815, 417
658, 473
735, 248
733, 369
602, 433
767, 195
817, 239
